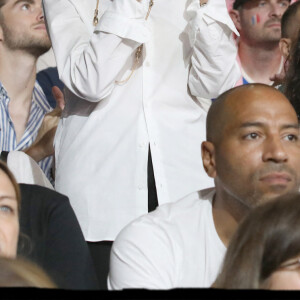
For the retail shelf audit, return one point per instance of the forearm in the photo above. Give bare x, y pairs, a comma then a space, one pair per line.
91, 59
43, 147
213, 62
36, 152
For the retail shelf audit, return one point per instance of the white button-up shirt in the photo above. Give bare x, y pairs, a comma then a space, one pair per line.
102, 140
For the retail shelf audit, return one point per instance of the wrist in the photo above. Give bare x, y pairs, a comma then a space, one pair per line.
36, 152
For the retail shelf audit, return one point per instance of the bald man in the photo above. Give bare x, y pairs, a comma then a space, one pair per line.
253, 154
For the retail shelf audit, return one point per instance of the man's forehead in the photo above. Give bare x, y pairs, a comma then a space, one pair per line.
254, 104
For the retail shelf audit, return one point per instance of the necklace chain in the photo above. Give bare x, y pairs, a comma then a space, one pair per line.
96, 20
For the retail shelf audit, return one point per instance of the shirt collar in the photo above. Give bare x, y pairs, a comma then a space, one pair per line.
39, 99
3, 92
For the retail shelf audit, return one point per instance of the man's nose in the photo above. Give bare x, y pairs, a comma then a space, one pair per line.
276, 10
40, 13
274, 150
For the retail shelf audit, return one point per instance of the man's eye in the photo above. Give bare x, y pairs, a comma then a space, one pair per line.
284, 3
261, 3
291, 137
251, 136
25, 7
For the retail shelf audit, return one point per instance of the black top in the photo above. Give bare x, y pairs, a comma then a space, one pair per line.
55, 238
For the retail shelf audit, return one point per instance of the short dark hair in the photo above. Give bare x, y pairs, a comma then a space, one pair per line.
287, 19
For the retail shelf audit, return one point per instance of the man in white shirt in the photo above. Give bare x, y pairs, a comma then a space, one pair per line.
253, 153
139, 78
258, 22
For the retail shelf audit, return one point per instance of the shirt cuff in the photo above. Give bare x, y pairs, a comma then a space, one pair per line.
213, 11
133, 29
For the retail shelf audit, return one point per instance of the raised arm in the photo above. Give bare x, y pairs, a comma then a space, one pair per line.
214, 68
91, 58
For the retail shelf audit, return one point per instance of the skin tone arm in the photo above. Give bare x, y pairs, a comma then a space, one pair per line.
43, 145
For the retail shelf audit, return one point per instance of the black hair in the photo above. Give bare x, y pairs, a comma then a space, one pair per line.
292, 80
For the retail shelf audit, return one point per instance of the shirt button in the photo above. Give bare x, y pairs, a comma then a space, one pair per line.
140, 187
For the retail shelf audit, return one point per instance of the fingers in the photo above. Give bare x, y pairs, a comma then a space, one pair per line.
59, 97
203, 2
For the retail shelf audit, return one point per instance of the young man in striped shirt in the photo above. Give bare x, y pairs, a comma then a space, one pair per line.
23, 104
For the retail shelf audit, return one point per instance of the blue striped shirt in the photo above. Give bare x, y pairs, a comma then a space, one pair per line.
8, 139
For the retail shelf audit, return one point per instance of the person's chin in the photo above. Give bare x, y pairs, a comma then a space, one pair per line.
277, 190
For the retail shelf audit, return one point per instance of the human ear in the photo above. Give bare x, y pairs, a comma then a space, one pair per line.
235, 16
285, 47
208, 158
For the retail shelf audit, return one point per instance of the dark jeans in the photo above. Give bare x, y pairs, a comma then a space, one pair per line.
100, 251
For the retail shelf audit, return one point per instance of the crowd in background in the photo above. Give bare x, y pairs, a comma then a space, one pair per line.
150, 144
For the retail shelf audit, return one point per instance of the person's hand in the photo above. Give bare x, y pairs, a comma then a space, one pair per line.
203, 2
51, 119
43, 144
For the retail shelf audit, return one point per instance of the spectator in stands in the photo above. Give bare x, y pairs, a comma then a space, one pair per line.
50, 234
290, 26
264, 253
23, 105
253, 153
10, 204
291, 84
290, 48
56, 242
258, 22
289, 33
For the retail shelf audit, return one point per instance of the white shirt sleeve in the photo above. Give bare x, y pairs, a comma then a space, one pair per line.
214, 68
89, 60
142, 257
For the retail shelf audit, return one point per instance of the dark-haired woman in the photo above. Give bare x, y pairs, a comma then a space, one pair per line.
264, 253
